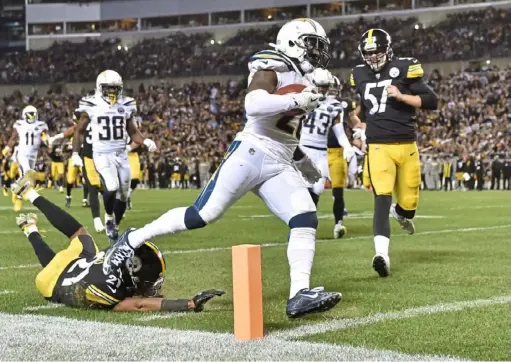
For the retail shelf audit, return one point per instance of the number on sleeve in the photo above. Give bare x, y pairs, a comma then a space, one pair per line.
377, 108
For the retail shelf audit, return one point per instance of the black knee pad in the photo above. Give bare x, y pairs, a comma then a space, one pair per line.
305, 220
193, 220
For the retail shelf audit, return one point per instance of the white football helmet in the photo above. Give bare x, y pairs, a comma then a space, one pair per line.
29, 114
305, 40
109, 86
335, 87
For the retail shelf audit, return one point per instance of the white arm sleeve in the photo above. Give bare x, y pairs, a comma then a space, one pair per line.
343, 140
260, 103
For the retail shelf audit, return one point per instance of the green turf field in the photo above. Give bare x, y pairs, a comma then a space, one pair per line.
448, 294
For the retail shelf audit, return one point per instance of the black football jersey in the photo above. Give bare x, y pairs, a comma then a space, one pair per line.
348, 106
56, 154
86, 150
388, 120
83, 284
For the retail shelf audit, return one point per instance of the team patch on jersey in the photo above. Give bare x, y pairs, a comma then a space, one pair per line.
120, 110
415, 71
394, 72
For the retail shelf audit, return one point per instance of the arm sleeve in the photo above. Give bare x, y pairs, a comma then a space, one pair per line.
341, 135
429, 99
260, 103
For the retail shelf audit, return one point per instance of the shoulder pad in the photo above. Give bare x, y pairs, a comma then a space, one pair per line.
352, 76
128, 101
413, 67
271, 60
85, 104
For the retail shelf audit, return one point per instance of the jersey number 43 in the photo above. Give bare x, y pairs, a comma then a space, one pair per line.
317, 122
112, 128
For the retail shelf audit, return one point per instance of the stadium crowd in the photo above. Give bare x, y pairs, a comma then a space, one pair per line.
469, 35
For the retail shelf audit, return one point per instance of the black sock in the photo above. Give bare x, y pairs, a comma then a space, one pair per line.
134, 184
85, 191
338, 194
69, 187
409, 214
381, 223
109, 201
94, 201
41, 249
314, 196
7, 183
60, 219
119, 209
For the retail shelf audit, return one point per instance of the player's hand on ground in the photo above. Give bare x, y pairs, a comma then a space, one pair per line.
309, 170
151, 146
308, 100
394, 92
203, 297
76, 160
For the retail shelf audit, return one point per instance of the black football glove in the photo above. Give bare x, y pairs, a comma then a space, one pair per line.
203, 297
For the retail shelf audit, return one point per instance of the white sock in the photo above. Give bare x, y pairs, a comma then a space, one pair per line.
381, 244
31, 195
339, 222
109, 217
30, 229
300, 254
173, 221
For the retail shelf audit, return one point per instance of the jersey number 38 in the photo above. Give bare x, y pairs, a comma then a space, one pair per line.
112, 128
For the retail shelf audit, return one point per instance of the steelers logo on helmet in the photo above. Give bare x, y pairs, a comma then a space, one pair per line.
375, 48
147, 270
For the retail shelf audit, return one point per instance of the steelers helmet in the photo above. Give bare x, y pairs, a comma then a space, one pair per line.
375, 48
147, 270
306, 41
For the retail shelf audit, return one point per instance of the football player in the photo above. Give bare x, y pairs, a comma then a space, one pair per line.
134, 160
56, 155
264, 158
111, 116
30, 133
315, 133
391, 89
75, 276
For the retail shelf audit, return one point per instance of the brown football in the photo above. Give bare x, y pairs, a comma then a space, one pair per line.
291, 88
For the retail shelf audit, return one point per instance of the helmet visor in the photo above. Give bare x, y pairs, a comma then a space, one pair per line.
317, 50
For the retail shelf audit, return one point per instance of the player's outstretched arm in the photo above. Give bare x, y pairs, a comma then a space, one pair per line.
195, 304
79, 131
11, 142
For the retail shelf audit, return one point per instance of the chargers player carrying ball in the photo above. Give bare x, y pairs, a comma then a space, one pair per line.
264, 158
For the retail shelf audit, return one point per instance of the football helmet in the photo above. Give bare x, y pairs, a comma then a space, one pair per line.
29, 114
147, 270
375, 48
109, 86
335, 87
305, 41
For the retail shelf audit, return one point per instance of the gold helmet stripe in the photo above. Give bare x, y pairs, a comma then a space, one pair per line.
308, 21
370, 39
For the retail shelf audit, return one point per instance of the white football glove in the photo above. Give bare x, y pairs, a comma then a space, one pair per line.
359, 133
308, 169
151, 146
348, 153
308, 100
76, 160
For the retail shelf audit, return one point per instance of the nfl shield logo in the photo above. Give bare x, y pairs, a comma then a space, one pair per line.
120, 110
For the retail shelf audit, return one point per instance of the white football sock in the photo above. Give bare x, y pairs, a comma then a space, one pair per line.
300, 254
109, 217
381, 244
31, 195
173, 221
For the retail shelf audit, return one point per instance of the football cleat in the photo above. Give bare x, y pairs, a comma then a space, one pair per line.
381, 264
111, 231
118, 253
98, 225
308, 301
24, 184
61, 189
85, 203
339, 231
68, 201
25, 221
405, 223
345, 212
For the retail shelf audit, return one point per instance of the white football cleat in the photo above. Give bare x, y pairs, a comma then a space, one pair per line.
406, 224
381, 264
339, 231
98, 225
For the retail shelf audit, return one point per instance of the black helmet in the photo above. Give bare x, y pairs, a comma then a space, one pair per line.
375, 48
147, 270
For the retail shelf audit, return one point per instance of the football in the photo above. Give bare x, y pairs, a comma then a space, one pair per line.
291, 88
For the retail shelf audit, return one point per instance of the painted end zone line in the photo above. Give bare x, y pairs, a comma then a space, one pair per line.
340, 324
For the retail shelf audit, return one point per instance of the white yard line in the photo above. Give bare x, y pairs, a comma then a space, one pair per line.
23, 266
357, 216
155, 316
340, 324
3, 292
44, 306
46, 337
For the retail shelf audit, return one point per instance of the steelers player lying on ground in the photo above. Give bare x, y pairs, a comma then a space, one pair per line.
324, 123
391, 89
76, 276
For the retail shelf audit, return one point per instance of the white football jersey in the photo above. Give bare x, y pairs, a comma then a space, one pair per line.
274, 134
30, 136
317, 124
108, 123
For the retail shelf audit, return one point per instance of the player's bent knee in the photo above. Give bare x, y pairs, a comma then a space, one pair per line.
305, 220
80, 231
193, 220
